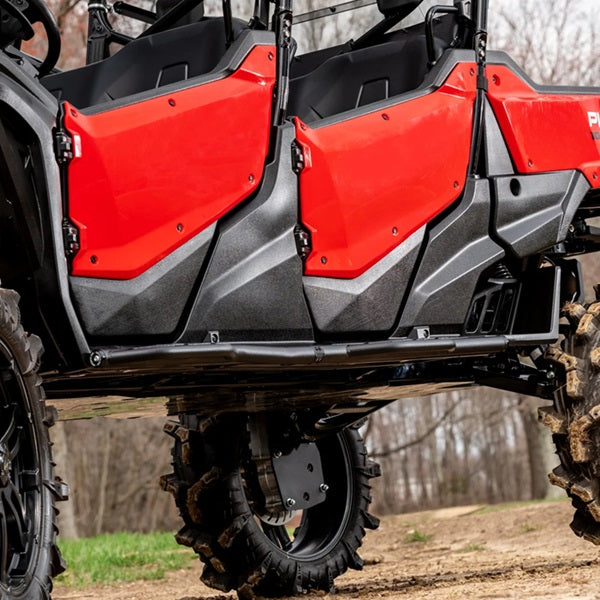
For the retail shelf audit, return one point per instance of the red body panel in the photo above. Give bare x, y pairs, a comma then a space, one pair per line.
155, 173
371, 181
546, 132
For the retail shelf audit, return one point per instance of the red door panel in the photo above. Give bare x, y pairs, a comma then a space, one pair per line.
371, 181
546, 132
153, 174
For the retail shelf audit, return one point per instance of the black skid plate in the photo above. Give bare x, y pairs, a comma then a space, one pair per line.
300, 477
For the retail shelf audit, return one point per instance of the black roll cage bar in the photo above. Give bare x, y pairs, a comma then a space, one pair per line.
101, 32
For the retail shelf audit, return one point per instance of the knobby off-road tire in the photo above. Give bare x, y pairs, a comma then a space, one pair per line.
575, 417
212, 485
29, 557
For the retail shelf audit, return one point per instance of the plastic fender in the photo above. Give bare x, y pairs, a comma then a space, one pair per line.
547, 131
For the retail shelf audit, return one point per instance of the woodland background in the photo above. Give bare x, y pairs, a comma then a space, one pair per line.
480, 445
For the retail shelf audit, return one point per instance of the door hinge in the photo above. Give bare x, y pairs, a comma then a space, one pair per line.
298, 162
63, 147
71, 237
303, 242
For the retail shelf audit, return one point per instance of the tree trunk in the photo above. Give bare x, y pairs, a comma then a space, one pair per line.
534, 437
66, 519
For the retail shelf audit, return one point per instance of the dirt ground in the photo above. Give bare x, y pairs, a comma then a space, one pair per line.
524, 552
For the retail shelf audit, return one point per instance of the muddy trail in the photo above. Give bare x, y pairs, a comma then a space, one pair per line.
467, 552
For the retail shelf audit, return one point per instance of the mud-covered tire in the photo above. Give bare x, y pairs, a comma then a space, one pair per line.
212, 491
575, 417
29, 557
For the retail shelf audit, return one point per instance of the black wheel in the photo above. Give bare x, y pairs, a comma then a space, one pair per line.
29, 557
575, 417
243, 545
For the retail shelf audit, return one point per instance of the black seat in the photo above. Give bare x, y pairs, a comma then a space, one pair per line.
145, 64
402, 8
332, 81
360, 77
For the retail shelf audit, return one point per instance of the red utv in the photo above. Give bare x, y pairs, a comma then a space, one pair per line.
280, 244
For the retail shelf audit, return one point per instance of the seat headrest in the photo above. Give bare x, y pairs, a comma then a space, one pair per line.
400, 8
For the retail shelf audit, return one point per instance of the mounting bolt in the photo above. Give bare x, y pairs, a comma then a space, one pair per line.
95, 359
277, 454
550, 375
323, 487
290, 503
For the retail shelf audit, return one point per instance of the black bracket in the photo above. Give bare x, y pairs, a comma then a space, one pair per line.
303, 242
100, 32
63, 150
297, 158
299, 476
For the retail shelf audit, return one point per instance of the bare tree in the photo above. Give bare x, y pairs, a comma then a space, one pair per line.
556, 41
112, 467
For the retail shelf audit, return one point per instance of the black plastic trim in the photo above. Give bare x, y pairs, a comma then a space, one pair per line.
530, 339
497, 157
41, 120
456, 252
252, 287
534, 212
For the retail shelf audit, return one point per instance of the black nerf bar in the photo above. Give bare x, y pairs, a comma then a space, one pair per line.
197, 356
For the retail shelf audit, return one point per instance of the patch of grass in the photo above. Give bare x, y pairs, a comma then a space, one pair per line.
414, 535
492, 508
528, 527
121, 557
472, 548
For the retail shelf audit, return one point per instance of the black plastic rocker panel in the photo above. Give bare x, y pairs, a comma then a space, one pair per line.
252, 289
534, 212
148, 305
457, 251
369, 303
